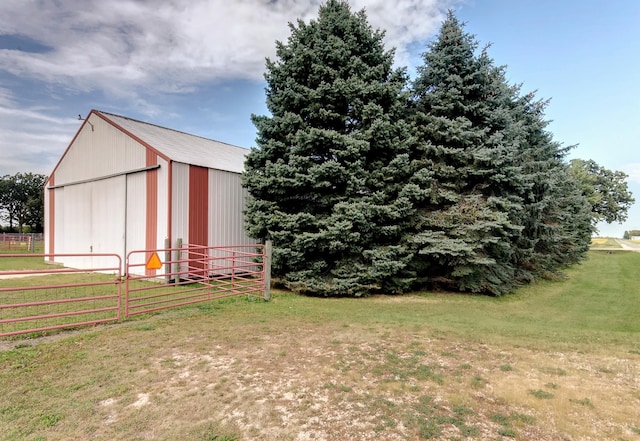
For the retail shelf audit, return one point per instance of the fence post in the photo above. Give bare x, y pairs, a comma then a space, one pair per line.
178, 257
266, 263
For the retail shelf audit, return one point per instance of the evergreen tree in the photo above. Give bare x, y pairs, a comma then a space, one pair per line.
325, 178
498, 206
555, 218
467, 167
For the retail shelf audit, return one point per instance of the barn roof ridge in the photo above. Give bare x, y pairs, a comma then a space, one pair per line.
169, 128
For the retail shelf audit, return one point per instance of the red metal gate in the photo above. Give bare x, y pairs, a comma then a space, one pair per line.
88, 288
193, 274
55, 297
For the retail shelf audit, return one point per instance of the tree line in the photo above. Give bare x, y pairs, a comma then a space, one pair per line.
367, 181
22, 202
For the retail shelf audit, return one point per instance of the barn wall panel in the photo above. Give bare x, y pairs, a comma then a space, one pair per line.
180, 202
162, 194
107, 219
57, 222
101, 151
90, 219
75, 234
226, 205
136, 215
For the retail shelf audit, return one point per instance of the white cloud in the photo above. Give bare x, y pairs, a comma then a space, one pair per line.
134, 51
6, 97
123, 45
32, 140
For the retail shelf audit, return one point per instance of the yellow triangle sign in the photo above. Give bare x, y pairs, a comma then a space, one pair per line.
154, 262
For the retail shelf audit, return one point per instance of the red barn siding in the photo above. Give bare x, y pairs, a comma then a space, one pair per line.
198, 214
52, 217
152, 205
198, 205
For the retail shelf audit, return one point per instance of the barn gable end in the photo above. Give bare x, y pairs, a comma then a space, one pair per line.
124, 185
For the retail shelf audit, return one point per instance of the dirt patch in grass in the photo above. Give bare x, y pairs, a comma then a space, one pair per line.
243, 373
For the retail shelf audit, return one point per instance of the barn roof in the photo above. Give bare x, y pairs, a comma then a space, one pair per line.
182, 147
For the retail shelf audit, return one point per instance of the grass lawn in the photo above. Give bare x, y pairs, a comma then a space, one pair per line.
556, 360
25, 261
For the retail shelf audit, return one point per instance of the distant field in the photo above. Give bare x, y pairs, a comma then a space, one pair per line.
556, 360
604, 242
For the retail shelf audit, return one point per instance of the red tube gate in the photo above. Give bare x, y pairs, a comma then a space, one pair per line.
59, 297
193, 274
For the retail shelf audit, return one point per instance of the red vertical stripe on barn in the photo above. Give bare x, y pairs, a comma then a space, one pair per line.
198, 218
52, 217
198, 205
151, 239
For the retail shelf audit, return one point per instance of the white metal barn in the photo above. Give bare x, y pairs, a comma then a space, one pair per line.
125, 185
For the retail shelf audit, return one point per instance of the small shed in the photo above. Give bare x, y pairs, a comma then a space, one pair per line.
125, 185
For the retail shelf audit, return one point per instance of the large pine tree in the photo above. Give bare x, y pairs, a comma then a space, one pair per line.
467, 224
555, 216
501, 208
326, 175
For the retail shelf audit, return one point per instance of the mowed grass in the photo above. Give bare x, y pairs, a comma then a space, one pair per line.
25, 261
555, 360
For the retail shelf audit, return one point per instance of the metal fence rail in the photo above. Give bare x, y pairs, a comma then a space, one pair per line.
193, 274
49, 298
19, 241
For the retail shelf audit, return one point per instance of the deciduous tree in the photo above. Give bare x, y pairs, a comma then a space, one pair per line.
22, 200
606, 190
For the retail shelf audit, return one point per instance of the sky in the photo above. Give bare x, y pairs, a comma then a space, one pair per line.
197, 66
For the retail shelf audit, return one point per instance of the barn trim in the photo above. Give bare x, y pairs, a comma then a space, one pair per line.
127, 132
101, 178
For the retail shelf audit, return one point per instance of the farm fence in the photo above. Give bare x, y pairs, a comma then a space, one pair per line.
55, 296
19, 241
194, 274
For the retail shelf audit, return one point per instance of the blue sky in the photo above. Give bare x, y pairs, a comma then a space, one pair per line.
197, 65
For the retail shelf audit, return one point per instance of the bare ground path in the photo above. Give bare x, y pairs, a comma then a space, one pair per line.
628, 245
299, 380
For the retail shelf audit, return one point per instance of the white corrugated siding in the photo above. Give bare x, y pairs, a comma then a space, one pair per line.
108, 218
180, 207
226, 206
136, 216
76, 211
100, 152
58, 234
226, 218
90, 219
